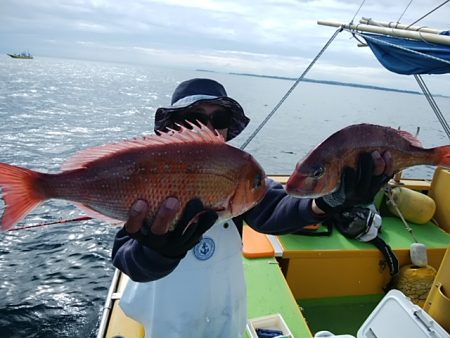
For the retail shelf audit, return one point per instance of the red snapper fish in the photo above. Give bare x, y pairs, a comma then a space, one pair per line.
319, 173
104, 181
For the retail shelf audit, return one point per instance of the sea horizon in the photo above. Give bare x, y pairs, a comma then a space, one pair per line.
56, 278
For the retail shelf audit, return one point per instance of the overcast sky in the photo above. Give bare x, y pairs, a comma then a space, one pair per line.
259, 36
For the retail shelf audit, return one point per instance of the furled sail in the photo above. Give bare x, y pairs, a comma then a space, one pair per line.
407, 56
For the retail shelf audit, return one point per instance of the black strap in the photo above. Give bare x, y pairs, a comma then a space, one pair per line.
389, 256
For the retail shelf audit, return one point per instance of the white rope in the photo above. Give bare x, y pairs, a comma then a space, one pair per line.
388, 193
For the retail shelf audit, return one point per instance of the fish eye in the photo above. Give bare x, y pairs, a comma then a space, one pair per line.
257, 181
318, 172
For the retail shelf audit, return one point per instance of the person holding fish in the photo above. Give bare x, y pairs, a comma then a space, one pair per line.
187, 280
185, 193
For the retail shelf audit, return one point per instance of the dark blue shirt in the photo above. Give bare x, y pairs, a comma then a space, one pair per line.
277, 214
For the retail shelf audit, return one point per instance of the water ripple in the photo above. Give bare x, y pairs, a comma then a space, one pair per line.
55, 278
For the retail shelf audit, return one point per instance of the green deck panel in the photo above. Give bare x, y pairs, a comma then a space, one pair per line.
394, 232
268, 293
340, 315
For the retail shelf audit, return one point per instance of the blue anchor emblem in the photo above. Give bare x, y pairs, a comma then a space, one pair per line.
204, 249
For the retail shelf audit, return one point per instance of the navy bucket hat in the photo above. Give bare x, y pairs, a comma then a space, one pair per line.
193, 92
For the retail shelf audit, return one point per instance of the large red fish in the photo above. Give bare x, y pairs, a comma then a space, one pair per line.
104, 181
319, 173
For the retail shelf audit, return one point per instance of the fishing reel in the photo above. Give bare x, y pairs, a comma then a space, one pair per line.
361, 223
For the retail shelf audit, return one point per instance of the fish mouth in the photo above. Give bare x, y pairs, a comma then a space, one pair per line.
302, 192
296, 185
303, 186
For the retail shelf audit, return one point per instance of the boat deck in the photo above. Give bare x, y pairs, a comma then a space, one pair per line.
314, 267
288, 273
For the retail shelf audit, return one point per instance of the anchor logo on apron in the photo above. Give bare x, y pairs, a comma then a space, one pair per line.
204, 249
165, 308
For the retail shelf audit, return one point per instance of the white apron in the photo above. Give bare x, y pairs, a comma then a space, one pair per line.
205, 296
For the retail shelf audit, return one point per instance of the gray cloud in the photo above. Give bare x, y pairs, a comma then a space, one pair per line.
269, 36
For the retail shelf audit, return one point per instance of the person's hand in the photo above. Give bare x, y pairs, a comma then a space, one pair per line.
194, 222
162, 221
359, 187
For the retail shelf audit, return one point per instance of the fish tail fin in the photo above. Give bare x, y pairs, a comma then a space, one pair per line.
443, 156
21, 193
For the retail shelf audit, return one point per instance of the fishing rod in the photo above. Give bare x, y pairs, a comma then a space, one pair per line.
60, 221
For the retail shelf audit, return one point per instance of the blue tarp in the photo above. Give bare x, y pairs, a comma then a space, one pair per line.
404, 62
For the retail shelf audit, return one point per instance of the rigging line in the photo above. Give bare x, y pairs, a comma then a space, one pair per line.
256, 131
433, 104
442, 4
360, 6
401, 16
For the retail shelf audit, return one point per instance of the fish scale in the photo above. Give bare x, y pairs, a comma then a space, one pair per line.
320, 172
104, 181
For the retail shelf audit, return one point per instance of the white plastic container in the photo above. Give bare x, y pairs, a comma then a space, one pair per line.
271, 322
328, 334
397, 316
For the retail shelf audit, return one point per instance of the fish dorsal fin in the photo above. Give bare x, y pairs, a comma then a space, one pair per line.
411, 138
197, 135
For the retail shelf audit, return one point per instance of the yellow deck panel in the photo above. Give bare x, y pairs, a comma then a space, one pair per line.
336, 266
438, 301
119, 324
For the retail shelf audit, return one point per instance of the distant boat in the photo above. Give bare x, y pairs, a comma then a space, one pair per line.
23, 55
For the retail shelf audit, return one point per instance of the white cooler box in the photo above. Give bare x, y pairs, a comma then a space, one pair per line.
396, 317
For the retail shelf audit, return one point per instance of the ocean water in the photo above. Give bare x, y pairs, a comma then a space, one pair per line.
54, 279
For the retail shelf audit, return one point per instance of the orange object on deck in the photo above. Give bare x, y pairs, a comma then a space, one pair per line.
256, 245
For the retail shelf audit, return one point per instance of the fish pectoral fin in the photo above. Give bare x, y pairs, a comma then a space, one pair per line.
196, 218
97, 215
